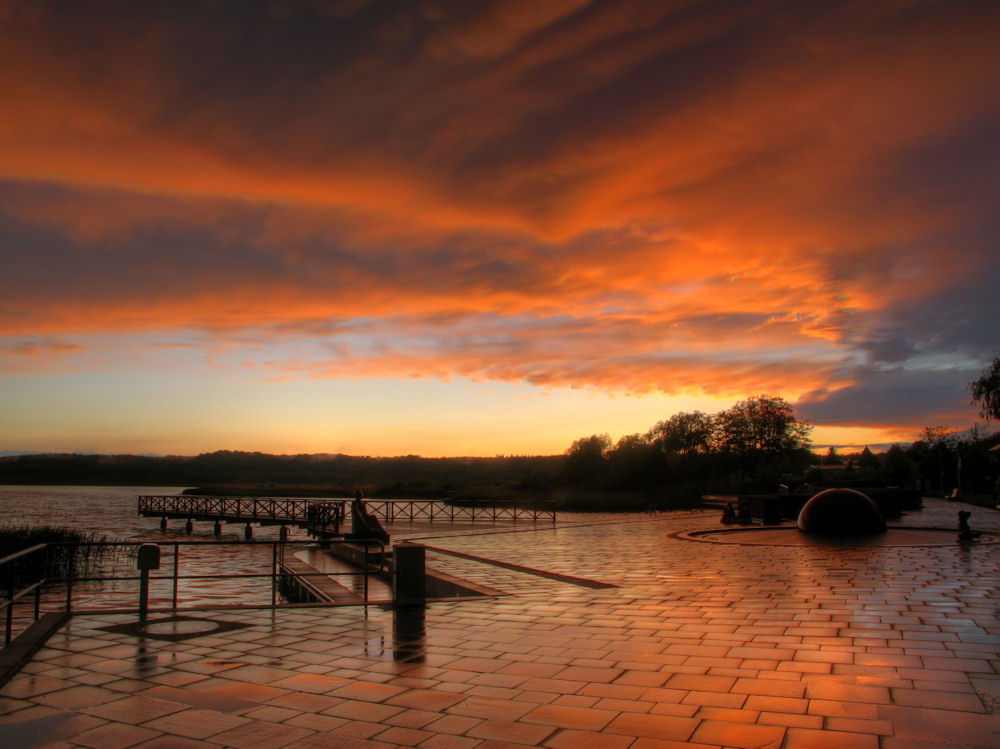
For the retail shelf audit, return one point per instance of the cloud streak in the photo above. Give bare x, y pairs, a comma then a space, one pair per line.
779, 197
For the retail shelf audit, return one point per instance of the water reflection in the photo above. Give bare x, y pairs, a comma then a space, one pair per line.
110, 512
408, 634
145, 661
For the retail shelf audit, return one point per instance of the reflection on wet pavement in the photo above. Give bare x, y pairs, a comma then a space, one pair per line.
713, 644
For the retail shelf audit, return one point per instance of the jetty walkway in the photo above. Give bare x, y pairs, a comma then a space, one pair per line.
324, 517
319, 516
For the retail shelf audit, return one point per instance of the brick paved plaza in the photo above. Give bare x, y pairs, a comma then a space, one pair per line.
690, 642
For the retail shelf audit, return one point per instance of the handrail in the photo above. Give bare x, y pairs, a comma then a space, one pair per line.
15, 594
22, 553
381, 560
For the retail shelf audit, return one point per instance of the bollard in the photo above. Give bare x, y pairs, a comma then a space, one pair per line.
163, 523
248, 532
218, 528
190, 526
147, 559
772, 510
409, 578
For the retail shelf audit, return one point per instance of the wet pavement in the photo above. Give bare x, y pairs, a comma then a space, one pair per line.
684, 642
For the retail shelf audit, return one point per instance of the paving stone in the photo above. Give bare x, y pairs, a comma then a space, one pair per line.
196, 724
807, 738
653, 726
938, 700
170, 742
724, 733
584, 719
711, 643
770, 687
790, 720
260, 734
444, 741
114, 736
587, 740
512, 732
364, 711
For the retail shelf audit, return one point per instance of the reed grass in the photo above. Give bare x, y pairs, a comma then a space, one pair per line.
66, 549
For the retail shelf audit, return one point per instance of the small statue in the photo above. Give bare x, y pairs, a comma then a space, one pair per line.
364, 525
729, 514
965, 533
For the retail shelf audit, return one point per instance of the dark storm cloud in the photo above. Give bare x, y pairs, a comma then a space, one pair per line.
898, 396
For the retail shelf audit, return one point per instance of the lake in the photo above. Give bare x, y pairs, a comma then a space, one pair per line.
109, 513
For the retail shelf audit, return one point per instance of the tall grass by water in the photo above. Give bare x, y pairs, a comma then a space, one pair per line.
66, 549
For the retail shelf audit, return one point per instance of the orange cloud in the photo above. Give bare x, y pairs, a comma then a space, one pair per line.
627, 196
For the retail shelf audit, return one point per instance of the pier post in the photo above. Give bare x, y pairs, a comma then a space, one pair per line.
163, 523
189, 526
248, 532
218, 528
147, 559
409, 575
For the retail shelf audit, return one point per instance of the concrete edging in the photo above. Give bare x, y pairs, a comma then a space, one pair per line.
27, 643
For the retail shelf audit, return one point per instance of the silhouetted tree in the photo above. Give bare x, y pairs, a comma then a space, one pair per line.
761, 424
761, 439
897, 467
634, 463
586, 459
867, 461
683, 433
986, 392
936, 456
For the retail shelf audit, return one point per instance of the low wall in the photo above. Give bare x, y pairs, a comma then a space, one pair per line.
439, 584
773, 508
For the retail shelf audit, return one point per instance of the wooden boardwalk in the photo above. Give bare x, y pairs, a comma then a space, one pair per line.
321, 586
319, 516
325, 516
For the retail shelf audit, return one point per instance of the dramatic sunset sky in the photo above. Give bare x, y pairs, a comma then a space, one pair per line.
477, 228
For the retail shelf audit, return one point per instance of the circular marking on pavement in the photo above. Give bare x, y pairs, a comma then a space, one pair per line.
792, 536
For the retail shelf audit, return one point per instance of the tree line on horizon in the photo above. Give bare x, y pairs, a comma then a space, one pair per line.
750, 446
759, 444
756, 445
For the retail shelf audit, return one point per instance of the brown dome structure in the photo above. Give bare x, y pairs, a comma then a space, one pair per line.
841, 511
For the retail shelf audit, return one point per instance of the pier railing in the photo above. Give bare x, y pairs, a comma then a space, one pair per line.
19, 586
32, 582
267, 510
329, 513
391, 510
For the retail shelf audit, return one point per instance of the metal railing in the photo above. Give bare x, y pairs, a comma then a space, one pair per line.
391, 510
27, 574
14, 592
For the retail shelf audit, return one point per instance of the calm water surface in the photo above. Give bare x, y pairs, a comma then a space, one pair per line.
109, 513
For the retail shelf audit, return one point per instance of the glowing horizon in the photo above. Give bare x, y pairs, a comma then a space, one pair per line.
476, 229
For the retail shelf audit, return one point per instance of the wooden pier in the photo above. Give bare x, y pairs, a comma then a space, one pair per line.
321, 517
324, 517
319, 587
391, 510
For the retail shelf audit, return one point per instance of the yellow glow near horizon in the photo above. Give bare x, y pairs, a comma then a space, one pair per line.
476, 230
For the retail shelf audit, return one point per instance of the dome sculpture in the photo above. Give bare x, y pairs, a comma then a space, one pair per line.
841, 511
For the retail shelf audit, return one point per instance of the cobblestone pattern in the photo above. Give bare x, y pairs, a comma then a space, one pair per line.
700, 644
